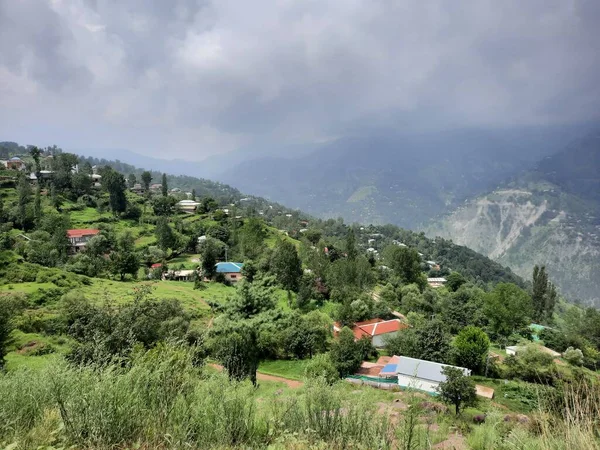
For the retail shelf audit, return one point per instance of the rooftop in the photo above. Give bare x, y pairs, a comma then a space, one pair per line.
426, 370
229, 267
80, 232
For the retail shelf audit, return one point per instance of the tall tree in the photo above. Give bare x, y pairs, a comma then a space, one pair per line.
24, 196
165, 238
125, 260
146, 180
194, 194
286, 265
345, 353
131, 180
165, 187
538, 294
86, 168
235, 346
209, 258
507, 308
114, 183
36, 154
351, 244
37, 205
543, 295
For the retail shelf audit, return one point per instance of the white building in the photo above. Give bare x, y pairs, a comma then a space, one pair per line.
418, 373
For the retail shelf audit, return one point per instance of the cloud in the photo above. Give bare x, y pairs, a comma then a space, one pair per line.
194, 78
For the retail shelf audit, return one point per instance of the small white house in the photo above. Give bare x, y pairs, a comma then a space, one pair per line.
418, 373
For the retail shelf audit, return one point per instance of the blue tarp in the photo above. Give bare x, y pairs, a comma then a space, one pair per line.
390, 368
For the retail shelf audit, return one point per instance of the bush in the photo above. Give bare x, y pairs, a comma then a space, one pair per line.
321, 366
573, 356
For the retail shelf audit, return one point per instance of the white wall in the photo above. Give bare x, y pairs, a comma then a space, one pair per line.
379, 341
417, 383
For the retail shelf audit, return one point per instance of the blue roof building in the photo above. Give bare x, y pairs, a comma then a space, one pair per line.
229, 267
231, 270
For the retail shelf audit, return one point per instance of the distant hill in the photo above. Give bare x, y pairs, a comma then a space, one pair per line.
547, 215
401, 179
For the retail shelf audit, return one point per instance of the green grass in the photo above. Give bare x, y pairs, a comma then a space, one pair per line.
187, 261
25, 288
22, 347
291, 369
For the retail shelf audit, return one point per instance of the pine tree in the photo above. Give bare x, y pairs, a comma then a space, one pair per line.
351, 245
146, 180
165, 188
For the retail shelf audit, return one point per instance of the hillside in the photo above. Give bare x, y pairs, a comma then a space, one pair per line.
405, 179
549, 215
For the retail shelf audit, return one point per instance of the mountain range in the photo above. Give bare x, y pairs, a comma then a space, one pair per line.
548, 215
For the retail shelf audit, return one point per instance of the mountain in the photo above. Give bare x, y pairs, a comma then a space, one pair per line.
547, 215
405, 179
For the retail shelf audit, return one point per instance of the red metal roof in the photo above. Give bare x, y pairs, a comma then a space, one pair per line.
80, 232
156, 265
379, 327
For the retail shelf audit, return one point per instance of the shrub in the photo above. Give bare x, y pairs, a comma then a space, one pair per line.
321, 366
573, 356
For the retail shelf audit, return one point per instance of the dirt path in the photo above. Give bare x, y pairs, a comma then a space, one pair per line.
264, 377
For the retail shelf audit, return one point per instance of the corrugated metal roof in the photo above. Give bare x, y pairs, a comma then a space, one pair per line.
426, 370
229, 267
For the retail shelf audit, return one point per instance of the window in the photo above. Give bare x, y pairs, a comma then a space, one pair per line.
233, 276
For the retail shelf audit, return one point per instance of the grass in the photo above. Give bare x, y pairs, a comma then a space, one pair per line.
291, 369
188, 261
26, 288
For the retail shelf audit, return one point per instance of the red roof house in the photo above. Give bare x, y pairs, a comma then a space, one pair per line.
375, 329
79, 237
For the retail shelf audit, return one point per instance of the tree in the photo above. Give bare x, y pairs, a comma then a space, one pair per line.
454, 281
458, 389
406, 262
507, 308
252, 236
543, 295
251, 299
81, 184
131, 180
234, 344
573, 356
165, 187
37, 205
114, 183
207, 204
36, 153
163, 206
345, 353
286, 265
24, 195
165, 238
424, 340
194, 194
125, 260
10, 307
471, 349
87, 168
209, 258
321, 366
351, 244
146, 180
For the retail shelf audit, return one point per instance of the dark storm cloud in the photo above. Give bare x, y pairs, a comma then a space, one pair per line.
201, 77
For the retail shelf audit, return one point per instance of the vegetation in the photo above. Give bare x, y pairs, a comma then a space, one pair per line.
118, 354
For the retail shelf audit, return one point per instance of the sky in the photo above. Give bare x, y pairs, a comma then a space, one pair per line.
189, 79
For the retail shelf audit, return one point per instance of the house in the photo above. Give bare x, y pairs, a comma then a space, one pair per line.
188, 206
15, 163
417, 373
179, 275
137, 188
96, 179
376, 330
156, 187
433, 265
80, 237
436, 282
231, 270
